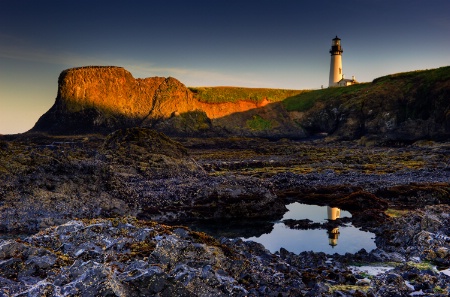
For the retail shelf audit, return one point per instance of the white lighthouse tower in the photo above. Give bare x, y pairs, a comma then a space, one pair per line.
336, 63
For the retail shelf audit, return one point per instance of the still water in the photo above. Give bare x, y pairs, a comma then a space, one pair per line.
340, 239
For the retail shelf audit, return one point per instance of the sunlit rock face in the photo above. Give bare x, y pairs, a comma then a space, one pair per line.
105, 98
110, 89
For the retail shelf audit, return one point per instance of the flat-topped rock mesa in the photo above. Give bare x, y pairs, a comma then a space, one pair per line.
104, 98
114, 89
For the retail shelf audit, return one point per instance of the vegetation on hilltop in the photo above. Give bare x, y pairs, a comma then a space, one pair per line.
234, 94
419, 82
431, 75
258, 123
305, 100
403, 106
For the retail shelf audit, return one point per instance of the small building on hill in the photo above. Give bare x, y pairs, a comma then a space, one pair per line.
347, 82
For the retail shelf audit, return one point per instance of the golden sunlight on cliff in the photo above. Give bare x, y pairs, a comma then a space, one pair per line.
115, 90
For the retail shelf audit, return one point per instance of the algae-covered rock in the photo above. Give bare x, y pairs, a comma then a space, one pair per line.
143, 141
194, 123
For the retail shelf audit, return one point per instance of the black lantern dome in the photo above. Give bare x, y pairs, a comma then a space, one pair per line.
336, 48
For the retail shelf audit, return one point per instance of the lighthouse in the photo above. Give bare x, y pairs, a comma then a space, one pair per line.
336, 62
336, 75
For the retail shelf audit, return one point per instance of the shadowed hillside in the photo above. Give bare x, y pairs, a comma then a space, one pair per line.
399, 107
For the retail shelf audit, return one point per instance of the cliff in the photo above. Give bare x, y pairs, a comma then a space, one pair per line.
105, 98
400, 107
101, 99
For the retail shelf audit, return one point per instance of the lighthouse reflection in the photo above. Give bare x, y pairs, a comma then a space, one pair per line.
333, 229
302, 228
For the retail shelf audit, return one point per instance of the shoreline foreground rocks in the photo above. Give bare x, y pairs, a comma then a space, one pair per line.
47, 182
135, 171
129, 257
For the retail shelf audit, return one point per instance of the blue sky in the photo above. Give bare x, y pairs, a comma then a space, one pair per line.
276, 44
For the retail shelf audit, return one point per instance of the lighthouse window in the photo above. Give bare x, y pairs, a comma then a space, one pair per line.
340, 70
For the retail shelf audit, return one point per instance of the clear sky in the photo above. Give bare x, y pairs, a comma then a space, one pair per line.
276, 44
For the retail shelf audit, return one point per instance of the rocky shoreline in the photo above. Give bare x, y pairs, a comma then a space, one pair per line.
128, 257
127, 185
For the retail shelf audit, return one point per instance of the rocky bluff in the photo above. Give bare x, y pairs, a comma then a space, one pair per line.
401, 107
105, 98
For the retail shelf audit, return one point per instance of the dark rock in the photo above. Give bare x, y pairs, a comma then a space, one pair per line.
417, 195
403, 114
141, 140
137, 258
301, 224
391, 285
361, 201
161, 263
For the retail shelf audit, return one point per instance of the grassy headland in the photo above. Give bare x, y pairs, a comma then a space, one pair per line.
234, 94
303, 100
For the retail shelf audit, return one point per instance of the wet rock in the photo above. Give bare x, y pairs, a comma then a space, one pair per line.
139, 282
390, 284
134, 171
127, 257
416, 195
142, 140
301, 224
136, 259
361, 200
120, 256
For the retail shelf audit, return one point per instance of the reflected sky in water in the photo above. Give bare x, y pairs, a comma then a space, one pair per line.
350, 239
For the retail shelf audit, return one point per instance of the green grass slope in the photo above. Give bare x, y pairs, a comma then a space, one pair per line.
306, 100
234, 94
302, 100
416, 83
